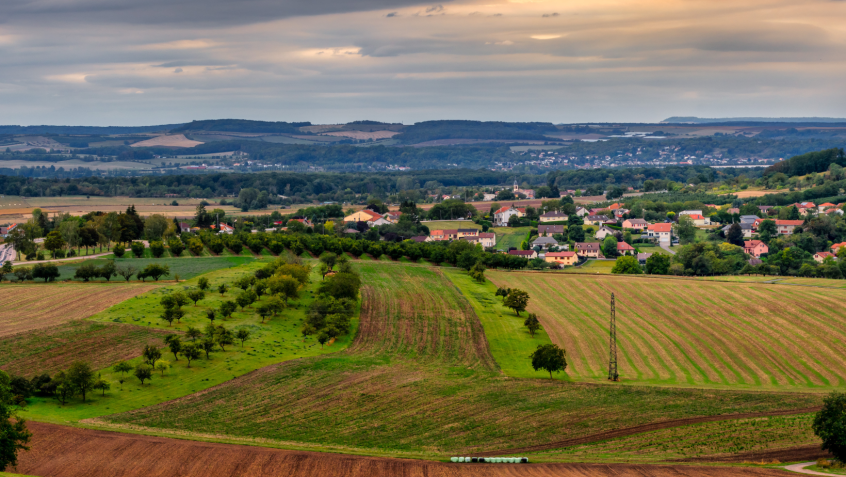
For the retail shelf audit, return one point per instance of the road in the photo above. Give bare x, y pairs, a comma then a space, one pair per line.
7, 252
666, 247
800, 468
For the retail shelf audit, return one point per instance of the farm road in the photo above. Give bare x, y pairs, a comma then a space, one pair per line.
60, 451
800, 468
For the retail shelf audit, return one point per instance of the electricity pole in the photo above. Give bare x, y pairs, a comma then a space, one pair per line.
612, 345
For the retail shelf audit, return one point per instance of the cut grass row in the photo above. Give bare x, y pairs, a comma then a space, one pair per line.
692, 332
417, 382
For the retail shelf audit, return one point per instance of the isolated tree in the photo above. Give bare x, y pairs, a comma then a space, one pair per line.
14, 435
176, 246
322, 338
222, 289
123, 367
190, 352
203, 283
532, 323
119, 250
477, 272
81, 377
151, 354
137, 249
243, 335
830, 425
196, 295
207, 345
174, 344
658, 264
102, 385
126, 271
227, 308
550, 358
156, 271
193, 333
517, 300
143, 372
609, 247
162, 366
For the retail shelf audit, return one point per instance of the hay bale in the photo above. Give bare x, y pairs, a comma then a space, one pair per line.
461, 459
453, 459
524, 460
474, 459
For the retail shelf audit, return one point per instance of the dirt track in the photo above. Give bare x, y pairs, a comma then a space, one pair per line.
793, 454
628, 431
59, 451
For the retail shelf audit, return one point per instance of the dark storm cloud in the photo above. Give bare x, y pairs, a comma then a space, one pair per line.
195, 12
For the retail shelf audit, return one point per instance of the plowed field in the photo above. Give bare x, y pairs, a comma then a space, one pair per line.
52, 349
60, 451
686, 332
417, 382
29, 307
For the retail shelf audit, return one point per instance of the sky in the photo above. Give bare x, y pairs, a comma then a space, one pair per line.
130, 62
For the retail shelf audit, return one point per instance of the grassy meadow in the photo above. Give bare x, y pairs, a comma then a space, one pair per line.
423, 379
692, 332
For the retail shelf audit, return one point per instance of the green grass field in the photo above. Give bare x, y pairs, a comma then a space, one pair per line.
186, 266
675, 332
274, 341
419, 381
507, 237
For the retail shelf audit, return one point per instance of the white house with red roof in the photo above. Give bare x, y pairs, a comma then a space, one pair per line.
785, 227
224, 229
820, 257
502, 215
662, 232
836, 247
625, 249
699, 219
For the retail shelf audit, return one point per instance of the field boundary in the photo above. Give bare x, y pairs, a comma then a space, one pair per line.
629, 431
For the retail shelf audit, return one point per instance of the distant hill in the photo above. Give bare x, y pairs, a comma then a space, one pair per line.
242, 125
697, 120
95, 130
818, 161
432, 130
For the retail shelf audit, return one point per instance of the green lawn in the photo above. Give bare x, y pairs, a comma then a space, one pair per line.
507, 237
186, 266
644, 248
451, 224
274, 341
510, 342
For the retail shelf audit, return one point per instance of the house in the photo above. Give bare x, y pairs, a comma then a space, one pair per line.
392, 216
733, 210
487, 239
377, 221
748, 219
836, 247
305, 222
561, 258
419, 238
364, 215
785, 227
604, 232
553, 217
690, 212
488, 197
745, 227
529, 193
5, 231
548, 230
184, 227
625, 249
615, 206
588, 249
643, 257
699, 220
598, 211
596, 219
619, 213
530, 254
661, 232
757, 223
225, 229
756, 248
635, 224
823, 207
581, 211
544, 242
451, 234
765, 208
502, 215
820, 257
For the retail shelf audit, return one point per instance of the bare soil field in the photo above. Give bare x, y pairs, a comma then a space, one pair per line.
745, 194
60, 451
168, 140
375, 135
692, 333
52, 349
32, 306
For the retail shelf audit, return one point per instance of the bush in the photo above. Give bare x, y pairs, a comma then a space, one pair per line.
118, 250
157, 249
137, 249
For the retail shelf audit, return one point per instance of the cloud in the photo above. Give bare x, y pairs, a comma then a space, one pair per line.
545, 37
178, 70
392, 14
547, 15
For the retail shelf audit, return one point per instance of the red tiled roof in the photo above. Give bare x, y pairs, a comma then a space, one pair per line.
661, 227
695, 217
624, 246
790, 222
561, 254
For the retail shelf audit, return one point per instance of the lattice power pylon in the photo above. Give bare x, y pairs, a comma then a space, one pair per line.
612, 344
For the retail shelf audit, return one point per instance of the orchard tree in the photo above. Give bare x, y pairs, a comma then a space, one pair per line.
243, 334
126, 271
222, 289
151, 354
203, 283
193, 333
517, 300
175, 344
196, 295
162, 365
550, 358
207, 345
137, 249
532, 323
81, 377
123, 367
143, 372
227, 308
190, 352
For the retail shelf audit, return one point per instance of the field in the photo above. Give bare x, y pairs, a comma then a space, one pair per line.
49, 350
32, 306
168, 140
186, 266
592, 266
275, 340
745, 194
71, 452
375, 135
419, 381
692, 332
